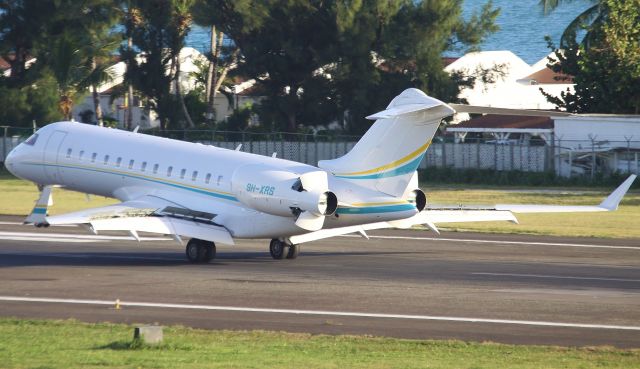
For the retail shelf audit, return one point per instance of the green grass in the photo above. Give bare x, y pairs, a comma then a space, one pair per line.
70, 344
17, 198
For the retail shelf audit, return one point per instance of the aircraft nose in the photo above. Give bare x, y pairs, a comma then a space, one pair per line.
10, 161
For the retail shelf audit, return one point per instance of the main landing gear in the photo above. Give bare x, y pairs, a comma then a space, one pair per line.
280, 250
200, 251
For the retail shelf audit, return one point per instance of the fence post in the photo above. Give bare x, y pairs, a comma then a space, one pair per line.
4, 143
628, 153
593, 156
478, 152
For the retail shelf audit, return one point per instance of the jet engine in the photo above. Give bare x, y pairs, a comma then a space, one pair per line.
279, 192
418, 198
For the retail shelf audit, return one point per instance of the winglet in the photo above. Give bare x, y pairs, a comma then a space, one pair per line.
612, 201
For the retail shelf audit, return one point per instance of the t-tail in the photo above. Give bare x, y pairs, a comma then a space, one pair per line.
387, 156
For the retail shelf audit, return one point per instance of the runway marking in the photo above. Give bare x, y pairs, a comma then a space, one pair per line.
498, 242
53, 237
47, 239
90, 256
320, 312
557, 277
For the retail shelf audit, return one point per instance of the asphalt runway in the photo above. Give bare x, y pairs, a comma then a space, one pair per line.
408, 284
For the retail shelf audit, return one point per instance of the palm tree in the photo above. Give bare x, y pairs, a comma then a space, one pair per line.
67, 63
589, 19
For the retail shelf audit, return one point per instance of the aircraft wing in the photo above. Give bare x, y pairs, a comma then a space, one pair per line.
433, 215
148, 214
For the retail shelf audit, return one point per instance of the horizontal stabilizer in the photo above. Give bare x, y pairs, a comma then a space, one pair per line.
474, 109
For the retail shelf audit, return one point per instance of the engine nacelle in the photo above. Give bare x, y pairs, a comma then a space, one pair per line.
280, 192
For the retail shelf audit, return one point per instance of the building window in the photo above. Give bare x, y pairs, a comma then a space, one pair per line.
194, 175
106, 159
118, 162
93, 157
207, 179
69, 153
169, 170
143, 167
131, 163
81, 155
182, 173
155, 168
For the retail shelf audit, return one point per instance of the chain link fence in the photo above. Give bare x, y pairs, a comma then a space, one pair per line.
565, 158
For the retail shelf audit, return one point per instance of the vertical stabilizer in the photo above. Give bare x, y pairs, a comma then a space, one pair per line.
387, 156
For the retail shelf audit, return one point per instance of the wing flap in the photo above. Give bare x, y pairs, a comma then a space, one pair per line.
147, 215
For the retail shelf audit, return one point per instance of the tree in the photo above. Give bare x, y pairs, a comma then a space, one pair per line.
157, 31
606, 74
588, 19
320, 61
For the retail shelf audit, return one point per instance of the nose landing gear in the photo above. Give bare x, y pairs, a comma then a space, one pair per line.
280, 250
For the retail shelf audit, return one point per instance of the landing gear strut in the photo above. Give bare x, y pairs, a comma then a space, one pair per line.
200, 251
280, 250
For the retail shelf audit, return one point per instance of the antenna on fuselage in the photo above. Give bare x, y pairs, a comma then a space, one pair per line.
238, 147
135, 130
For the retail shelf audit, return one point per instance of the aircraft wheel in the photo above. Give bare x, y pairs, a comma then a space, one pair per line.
210, 251
193, 250
200, 251
294, 251
278, 249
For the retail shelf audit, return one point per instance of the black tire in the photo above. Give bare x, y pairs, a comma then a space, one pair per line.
294, 251
278, 249
210, 252
193, 250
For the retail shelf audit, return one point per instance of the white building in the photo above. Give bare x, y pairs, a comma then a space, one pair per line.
145, 117
519, 85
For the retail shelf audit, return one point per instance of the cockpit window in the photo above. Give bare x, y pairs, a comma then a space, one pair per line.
32, 140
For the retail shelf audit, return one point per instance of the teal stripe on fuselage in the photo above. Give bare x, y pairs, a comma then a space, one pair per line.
204, 192
376, 209
410, 167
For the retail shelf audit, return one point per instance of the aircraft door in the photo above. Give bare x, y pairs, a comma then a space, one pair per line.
51, 155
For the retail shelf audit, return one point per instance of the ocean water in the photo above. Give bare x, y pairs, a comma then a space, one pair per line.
523, 27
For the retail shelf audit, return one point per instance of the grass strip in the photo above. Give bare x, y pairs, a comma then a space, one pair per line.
71, 344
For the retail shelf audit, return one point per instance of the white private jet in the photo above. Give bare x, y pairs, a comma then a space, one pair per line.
213, 195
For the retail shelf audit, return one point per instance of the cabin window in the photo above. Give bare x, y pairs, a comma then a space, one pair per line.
143, 167
219, 180
93, 157
80, 155
155, 168
182, 173
69, 153
194, 175
118, 162
131, 163
106, 159
207, 179
169, 170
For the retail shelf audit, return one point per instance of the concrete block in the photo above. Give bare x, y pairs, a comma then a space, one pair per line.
149, 334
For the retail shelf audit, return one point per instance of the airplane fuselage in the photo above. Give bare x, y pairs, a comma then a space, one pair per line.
126, 166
